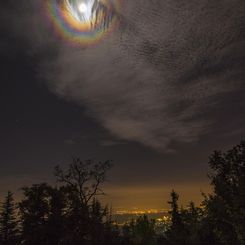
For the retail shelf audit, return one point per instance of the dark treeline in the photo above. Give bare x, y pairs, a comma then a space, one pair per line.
70, 213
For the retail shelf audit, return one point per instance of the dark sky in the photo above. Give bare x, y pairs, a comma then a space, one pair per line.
157, 97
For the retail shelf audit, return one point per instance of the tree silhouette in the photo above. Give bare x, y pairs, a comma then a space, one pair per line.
226, 207
84, 216
56, 216
8, 223
34, 211
192, 218
174, 211
140, 232
177, 232
84, 177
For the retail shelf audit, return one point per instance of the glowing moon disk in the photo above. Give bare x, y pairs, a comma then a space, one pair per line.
84, 22
82, 8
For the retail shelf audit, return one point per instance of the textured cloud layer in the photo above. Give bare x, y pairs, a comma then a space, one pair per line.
160, 78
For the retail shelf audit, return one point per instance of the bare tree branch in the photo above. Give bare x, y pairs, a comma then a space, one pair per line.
85, 177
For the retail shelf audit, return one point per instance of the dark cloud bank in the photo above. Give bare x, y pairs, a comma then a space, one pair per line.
166, 75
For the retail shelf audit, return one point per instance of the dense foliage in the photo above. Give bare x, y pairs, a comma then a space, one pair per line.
71, 214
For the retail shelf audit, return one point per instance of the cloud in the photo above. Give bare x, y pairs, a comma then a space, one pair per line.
159, 79
106, 143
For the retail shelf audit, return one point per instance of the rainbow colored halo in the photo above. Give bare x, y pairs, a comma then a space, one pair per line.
84, 22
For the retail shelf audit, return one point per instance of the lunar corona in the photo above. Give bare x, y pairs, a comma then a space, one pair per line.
84, 22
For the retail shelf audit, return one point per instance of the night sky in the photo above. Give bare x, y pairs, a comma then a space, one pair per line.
156, 95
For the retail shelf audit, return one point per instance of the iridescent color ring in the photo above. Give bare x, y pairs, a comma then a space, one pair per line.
81, 29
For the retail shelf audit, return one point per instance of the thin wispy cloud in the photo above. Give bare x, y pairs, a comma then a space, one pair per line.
158, 79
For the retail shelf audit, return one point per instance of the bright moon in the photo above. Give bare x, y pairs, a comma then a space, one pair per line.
83, 8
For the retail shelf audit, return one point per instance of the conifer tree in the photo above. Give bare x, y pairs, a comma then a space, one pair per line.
177, 233
175, 214
8, 223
